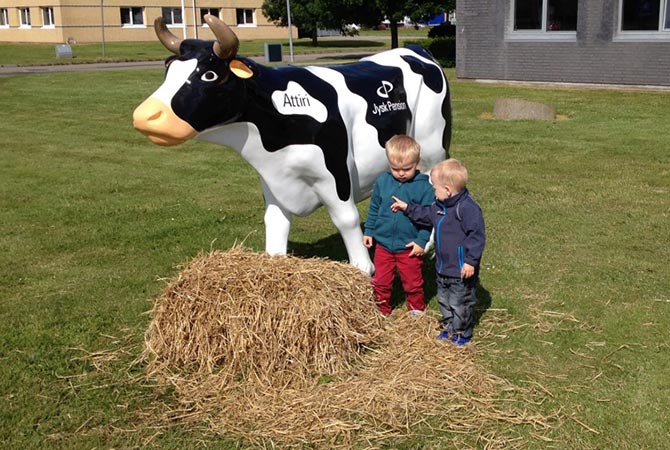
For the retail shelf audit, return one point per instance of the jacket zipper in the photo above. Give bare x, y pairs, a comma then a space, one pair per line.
438, 240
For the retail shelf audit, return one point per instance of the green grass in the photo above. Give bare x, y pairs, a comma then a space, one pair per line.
27, 54
402, 32
92, 216
40, 54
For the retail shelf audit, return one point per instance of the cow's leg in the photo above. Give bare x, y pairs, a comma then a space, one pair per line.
277, 224
346, 219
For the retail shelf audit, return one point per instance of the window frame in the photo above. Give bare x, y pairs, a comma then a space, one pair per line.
252, 13
4, 17
24, 18
541, 34
131, 15
661, 34
207, 10
48, 13
172, 11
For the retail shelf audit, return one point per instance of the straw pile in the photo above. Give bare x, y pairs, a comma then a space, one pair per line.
284, 352
278, 320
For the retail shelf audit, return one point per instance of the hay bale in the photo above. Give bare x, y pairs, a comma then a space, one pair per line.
279, 320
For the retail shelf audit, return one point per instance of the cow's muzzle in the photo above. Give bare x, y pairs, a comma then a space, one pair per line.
160, 124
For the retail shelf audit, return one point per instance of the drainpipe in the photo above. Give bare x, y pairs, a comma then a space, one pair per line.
195, 23
102, 28
290, 34
183, 18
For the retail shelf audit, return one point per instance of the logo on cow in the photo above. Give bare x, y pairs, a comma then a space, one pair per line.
296, 100
388, 106
384, 90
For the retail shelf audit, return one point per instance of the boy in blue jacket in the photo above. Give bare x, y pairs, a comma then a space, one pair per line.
460, 237
400, 243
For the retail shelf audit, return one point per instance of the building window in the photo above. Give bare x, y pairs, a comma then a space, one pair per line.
24, 17
545, 15
172, 16
245, 16
133, 16
48, 17
213, 11
538, 20
645, 15
643, 20
4, 18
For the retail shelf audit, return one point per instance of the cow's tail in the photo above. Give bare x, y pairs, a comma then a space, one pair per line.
446, 113
446, 104
446, 101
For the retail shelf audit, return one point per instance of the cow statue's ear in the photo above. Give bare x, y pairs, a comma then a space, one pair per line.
240, 69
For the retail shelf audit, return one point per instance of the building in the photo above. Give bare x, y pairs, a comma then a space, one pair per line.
82, 21
581, 41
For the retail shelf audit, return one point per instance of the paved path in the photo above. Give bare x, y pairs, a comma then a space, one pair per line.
316, 58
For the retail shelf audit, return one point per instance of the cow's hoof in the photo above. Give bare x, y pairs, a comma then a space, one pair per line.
365, 267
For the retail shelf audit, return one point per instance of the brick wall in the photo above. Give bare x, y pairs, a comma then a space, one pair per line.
485, 51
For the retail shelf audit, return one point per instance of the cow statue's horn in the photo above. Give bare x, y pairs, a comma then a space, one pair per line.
169, 40
226, 44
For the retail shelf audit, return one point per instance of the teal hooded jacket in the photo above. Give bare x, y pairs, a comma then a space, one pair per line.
394, 231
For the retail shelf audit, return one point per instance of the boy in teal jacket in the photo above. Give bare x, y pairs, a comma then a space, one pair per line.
400, 243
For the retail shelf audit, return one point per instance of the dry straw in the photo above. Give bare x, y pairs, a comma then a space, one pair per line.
245, 315
285, 351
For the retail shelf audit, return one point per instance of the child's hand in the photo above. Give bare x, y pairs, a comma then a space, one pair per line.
467, 271
417, 250
399, 205
367, 241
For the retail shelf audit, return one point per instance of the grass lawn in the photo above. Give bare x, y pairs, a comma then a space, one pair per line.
93, 216
44, 54
40, 54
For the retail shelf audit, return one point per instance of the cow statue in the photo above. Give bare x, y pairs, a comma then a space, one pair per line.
315, 135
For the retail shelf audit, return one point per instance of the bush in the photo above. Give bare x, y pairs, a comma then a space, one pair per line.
443, 49
445, 29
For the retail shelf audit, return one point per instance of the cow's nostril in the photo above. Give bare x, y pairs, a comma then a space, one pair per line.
155, 115
160, 124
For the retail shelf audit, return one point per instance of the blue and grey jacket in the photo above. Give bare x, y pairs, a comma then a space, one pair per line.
394, 231
460, 234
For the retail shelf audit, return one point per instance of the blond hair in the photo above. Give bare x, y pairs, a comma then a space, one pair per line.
404, 148
451, 172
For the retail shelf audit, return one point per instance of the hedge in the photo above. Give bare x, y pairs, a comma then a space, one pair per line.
443, 49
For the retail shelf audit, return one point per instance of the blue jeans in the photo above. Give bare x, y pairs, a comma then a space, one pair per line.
456, 299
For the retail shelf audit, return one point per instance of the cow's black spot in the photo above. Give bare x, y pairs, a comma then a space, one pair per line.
278, 130
201, 103
432, 75
383, 89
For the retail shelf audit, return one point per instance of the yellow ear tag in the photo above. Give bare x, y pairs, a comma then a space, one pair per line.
240, 69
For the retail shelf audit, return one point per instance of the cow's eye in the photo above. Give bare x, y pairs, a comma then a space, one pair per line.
209, 76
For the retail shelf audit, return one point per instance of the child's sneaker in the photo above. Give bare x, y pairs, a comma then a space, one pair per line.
445, 334
459, 340
416, 313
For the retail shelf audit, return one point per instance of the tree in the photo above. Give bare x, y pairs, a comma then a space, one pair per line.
307, 15
417, 10
311, 15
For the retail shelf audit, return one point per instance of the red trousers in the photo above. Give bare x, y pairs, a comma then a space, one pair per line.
409, 269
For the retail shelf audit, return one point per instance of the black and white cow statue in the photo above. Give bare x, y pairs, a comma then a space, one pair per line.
315, 135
